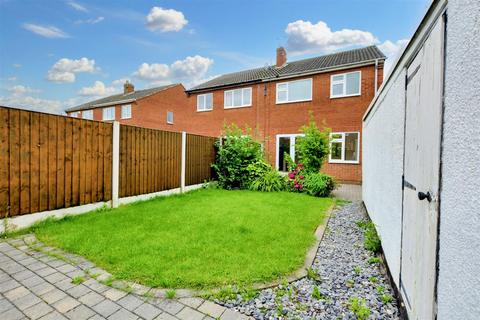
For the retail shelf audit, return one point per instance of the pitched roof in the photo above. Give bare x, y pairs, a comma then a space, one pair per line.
116, 98
293, 68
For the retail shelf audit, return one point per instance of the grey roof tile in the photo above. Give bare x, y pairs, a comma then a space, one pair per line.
138, 94
294, 68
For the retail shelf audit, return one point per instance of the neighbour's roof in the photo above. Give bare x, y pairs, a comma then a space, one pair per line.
293, 68
116, 98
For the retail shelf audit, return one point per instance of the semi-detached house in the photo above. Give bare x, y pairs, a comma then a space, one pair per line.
274, 101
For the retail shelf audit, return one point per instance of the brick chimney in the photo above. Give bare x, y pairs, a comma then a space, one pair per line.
128, 87
281, 57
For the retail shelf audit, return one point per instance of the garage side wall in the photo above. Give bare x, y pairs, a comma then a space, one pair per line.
459, 265
383, 166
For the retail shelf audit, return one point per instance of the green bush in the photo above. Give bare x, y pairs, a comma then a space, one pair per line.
235, 152
318, 184
372, 241
270, 181
312, 149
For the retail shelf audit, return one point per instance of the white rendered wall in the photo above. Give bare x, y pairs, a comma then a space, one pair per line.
459, 265
382, 168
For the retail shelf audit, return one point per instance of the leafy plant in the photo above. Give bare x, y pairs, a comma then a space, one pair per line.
350, 283
313, 148
235, 152
316, 294
386, 298
170, 294
312, 275
78, 280
373, 260
373, 279
380, 289
359, 308
372, 241
357, 270
269, 181
318, 184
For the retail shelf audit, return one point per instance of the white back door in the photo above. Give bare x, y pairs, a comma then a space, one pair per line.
423, 122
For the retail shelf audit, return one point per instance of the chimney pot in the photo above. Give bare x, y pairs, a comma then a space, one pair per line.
281, 57
128, 87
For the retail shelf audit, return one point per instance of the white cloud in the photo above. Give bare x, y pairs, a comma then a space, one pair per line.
13, 78
97, 90
392, 50
77, 6
190, 70
90, 21
32, 103
20, 90
165, 20
305, 37
120, 82
45, 31
64, 70
17, 65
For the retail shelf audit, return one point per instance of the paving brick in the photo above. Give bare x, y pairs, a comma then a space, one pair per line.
38, 310
147, 311
53, 296
12, 314
26, 301
65, 304
12, 267
65, 284
66, 268
23, 275
56, 263
80, 313
106, 308
192, 302
170, 306
28, 261
188, 313
8, 285
36, 266
45, 271
16, 293
97, 317
55, 277
55, 315
166, 316
91, 299
114, 294
94, 285
232, 315
211, 309
78, 291
123, 314
5, 305
130, 302
32, 281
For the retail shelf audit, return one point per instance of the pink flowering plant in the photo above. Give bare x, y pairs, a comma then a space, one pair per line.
296, 178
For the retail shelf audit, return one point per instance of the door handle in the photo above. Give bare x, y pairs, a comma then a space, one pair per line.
423, 196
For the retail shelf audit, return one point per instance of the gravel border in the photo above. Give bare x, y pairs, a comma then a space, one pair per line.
341, 271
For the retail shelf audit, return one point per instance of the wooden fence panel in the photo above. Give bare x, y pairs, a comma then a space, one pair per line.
50, 162
199, 157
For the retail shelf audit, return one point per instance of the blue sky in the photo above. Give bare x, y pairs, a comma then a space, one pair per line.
56, 53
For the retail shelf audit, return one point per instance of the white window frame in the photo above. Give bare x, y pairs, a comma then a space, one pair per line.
104, 110
293, 101
344, 83
242, 105
74, 114
292, 145
123, 114
342, 140
204, 97
168, 121
87, 112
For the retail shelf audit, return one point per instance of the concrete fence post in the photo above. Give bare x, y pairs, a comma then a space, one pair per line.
115, 163
184, 156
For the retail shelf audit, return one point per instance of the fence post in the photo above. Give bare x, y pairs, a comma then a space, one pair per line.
184, 156
115, 162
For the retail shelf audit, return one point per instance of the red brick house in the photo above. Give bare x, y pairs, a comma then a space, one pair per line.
159, 108
276, 101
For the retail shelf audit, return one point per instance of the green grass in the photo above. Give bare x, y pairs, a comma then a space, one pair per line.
202, 239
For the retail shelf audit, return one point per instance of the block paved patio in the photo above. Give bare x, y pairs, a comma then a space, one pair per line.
36, 283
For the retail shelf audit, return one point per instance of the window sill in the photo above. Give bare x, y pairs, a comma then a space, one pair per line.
204, 110
237, 107
296, 101
343, 162
126, 118
346, 96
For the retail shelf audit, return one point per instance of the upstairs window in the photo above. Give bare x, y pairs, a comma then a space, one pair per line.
87, 114
169, 117
205, 102
345, 84
108, 113
294, 91
74, 114
344, 147
127, 111
238, 98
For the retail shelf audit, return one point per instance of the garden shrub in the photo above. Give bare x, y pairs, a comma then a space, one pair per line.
318, 184
269, 181
235, 152
371, 240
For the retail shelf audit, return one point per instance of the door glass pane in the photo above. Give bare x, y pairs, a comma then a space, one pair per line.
283, 147
247, 96
353, 85
336, 152
351, 143
300, 90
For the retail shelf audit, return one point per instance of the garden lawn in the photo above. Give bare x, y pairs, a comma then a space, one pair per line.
201, 239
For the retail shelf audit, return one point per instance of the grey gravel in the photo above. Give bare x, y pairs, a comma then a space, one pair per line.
339, 253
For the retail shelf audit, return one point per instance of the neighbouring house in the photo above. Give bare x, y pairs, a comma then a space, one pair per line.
421, 172
275, 101
159, 108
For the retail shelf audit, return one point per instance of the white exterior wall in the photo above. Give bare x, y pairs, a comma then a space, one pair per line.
459, 265
383, 167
